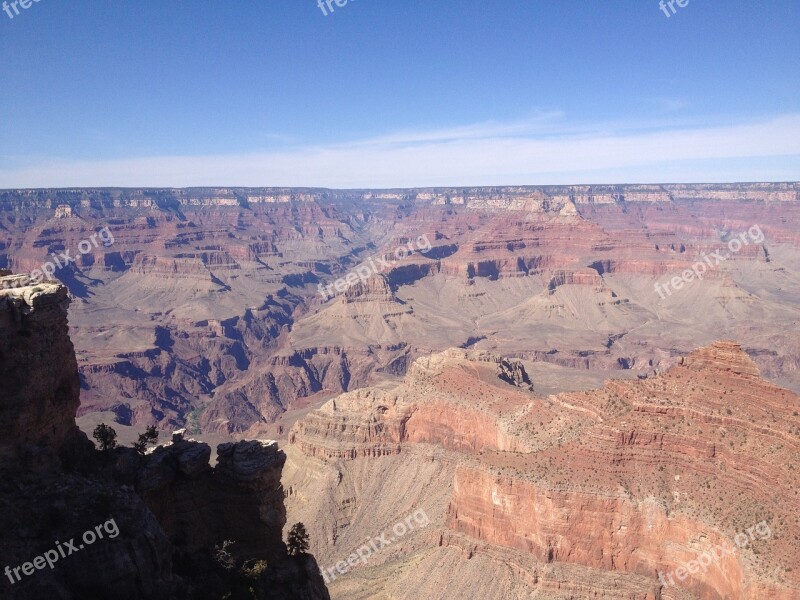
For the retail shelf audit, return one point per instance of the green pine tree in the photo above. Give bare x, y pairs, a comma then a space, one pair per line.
148, 437
298, 540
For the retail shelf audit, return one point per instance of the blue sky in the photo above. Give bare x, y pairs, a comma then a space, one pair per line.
385, 93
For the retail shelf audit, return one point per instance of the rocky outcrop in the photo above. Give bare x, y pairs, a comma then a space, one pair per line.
37, 368
242, 497
580, 277
724, 357
373, 422
162, 514
375, 288
52, 488
360, 423
513, 372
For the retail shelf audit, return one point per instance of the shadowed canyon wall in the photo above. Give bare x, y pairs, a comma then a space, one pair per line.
169, 508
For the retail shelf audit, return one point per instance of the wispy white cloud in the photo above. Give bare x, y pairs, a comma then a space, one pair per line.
669, 104
540, 150
539, 124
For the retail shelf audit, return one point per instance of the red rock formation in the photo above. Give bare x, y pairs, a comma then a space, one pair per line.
372, 422
637, 479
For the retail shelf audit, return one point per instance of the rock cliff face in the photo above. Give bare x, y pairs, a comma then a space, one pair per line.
614, 493
49, 490
168, 509
37, 368
374, 422
240, 499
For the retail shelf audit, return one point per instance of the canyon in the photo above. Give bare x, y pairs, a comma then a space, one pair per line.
570, 432
205, 311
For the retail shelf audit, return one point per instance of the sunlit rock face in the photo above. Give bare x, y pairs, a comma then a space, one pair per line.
608, 493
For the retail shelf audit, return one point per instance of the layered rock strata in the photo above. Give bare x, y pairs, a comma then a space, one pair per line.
613, 493
205, 310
